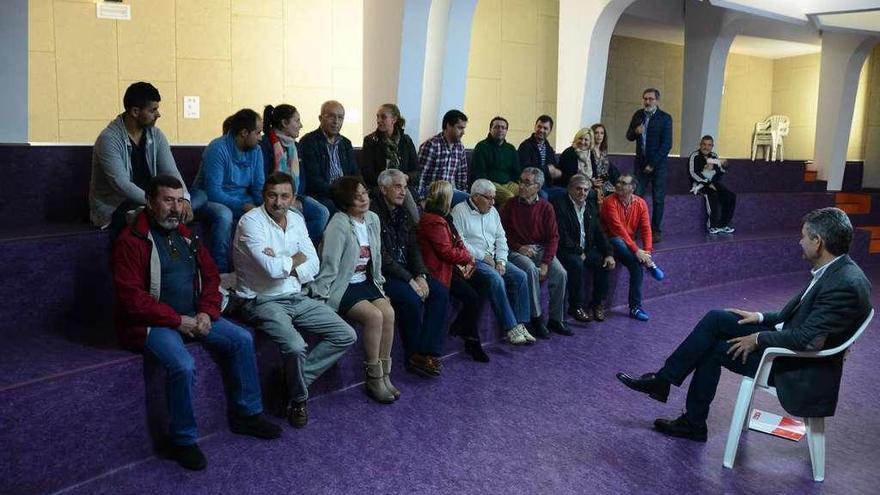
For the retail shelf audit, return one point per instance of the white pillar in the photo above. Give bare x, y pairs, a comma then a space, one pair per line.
14, 76
843, 55
706, 44
414, 39
383, 33
585, 28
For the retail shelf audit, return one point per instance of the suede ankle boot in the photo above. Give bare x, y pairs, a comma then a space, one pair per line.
374, 384
386, 377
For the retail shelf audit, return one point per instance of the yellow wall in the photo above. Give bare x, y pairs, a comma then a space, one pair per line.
796, 94
633, 65
747, 96
512, 67
872, 121
232, 54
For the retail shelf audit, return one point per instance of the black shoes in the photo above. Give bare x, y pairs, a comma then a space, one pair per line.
539, 329
188, 456
560, 327
649, 383
254, 426
475, 351
297, 414
681, 428
580, 315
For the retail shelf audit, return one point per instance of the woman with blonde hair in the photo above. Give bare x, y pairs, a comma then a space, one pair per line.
578, 158
449, 261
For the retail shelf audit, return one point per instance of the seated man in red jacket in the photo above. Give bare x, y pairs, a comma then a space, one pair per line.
167, 294
624, 214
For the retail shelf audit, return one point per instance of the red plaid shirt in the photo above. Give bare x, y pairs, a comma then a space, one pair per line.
441, 161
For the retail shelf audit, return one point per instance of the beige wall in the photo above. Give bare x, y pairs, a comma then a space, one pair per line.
746, 98
633, 65
232, 54
872, 121
796, 94
512, 67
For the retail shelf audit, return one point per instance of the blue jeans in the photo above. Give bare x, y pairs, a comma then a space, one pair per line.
220, 222
509, 294
234, 343
316, 215
657, 180
421, 322
629, 260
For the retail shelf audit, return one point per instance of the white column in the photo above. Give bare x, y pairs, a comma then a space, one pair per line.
413, 43
585, 28
383, 33
843, 55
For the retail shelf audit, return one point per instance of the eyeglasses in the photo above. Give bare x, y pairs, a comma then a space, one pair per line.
525, 183
489, 198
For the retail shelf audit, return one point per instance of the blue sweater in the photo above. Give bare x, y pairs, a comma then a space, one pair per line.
230, 176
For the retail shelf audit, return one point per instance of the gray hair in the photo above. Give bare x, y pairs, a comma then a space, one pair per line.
388, 175
537, 173
833, 226
578, 179
483, 186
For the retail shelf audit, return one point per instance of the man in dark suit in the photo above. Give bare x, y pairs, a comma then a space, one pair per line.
583, 245
824, 315
651, 129
326, 154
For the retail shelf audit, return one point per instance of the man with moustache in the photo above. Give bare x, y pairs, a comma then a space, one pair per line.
651, 129
126, 155
231, 179
274, 259
326, 154
496, 159
167, 294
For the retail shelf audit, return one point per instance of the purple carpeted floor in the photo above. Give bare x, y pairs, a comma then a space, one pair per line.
549, 418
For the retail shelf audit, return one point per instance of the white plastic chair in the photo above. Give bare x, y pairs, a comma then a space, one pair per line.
815, 426
769, 134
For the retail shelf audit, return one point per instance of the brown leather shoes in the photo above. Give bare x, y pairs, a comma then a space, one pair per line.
599, 312
435, 366
580, 315
420, 365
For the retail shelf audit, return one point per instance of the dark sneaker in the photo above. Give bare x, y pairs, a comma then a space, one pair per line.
560, 327
255, 425
599, 312
297, 414
638, 314
475, 351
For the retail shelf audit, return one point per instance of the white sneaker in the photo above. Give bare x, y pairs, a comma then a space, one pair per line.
515, 336
715, 230
525, 333
728, 230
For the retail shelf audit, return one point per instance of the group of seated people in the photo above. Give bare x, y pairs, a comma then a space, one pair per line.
397, 237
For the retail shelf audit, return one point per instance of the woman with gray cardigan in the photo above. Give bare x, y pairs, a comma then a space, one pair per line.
350, 281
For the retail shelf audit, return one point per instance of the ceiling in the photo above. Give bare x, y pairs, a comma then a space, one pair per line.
846, 15
639, 27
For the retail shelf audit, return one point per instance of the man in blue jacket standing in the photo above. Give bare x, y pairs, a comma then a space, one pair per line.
232, 177
651, 129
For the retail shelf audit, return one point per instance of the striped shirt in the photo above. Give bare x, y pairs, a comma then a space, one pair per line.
335, 171
440, 160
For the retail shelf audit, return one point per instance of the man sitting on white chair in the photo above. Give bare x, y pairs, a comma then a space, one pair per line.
824, 315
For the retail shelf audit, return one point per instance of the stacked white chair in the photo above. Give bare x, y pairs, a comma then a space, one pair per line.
770, 134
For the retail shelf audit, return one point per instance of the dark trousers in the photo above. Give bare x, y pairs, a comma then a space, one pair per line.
657, 179
575, 268
465, 324
420, 322
703, 353
720, 204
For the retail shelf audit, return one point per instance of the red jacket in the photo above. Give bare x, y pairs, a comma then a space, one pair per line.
441, 248
623, 222
137, 277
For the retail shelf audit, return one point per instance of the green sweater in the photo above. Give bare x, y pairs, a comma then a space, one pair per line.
496, 162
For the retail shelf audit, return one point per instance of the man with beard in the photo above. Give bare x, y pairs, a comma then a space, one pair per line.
231, 178
274, 259
536, 151
442, 157
496, 159
167, 295
126, 155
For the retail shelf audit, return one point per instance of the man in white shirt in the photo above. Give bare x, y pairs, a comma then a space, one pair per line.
480, 227
274, 258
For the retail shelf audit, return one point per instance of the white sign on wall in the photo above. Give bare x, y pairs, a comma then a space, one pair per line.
114, 10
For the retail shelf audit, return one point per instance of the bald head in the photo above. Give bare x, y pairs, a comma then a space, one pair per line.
332, 115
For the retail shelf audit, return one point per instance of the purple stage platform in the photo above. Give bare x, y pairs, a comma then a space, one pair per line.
73, 406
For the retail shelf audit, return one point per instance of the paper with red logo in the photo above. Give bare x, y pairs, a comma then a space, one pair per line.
780, 426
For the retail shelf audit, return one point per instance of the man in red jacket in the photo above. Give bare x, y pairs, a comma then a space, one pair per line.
167, 294
624, 214
532, 235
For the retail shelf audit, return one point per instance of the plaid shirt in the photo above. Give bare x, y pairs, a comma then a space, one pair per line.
441, 161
